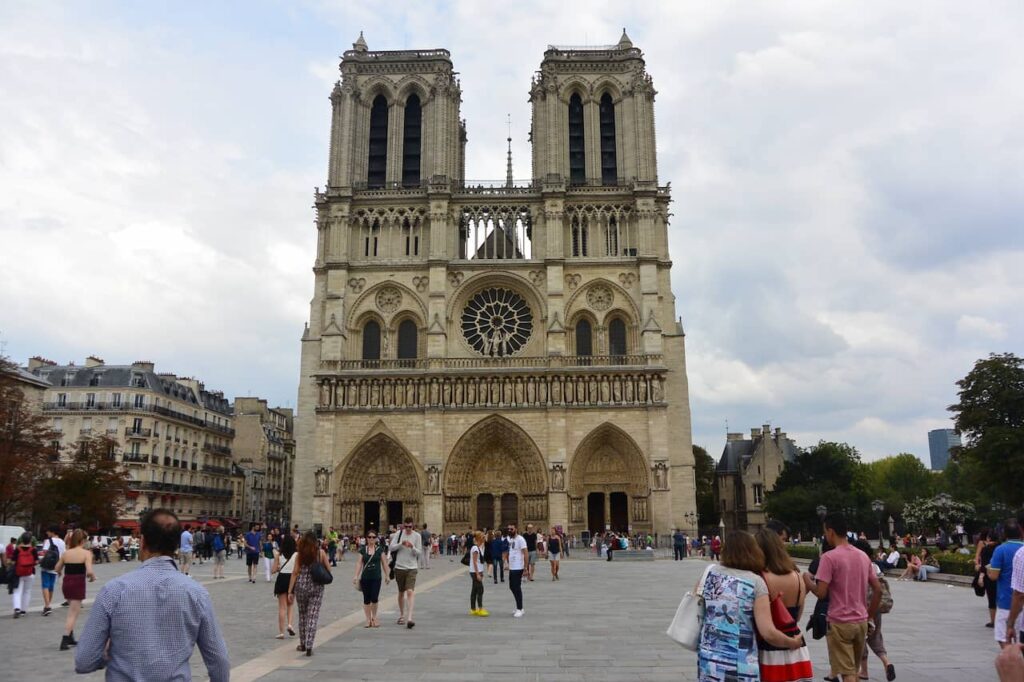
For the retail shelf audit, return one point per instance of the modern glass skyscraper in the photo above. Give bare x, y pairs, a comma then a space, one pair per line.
940, 441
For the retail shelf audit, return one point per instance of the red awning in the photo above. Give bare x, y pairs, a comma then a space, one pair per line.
127, 525
213, 523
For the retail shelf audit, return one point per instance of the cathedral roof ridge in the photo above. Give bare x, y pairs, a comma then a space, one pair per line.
429, 54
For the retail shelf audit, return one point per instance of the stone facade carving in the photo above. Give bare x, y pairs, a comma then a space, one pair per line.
557, 476
572, 281
356, 284
660, 472
600, 297
389, 299
433, 480
421, 283
323, 481
507, 392
455, 279
627, 279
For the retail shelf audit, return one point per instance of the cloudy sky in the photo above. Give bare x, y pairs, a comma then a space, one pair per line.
848, 184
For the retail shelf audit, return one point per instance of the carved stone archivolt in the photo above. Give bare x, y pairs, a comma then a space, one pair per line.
380, 469
524, 391
608, 460
495, 456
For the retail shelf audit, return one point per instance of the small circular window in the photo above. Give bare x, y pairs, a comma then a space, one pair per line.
497, 322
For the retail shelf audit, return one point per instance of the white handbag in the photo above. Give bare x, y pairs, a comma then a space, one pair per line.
689, 619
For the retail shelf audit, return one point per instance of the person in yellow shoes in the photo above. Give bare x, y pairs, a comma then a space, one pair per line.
477, 567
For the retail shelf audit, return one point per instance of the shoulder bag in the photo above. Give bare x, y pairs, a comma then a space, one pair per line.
319, 573
689, 619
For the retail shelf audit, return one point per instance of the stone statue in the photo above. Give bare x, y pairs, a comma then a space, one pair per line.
323, 478
660, 476
433, 479
557, 477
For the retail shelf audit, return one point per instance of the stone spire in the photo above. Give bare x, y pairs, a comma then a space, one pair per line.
508, 170
360, 44
624, 42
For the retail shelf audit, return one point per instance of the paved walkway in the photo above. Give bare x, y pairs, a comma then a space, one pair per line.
602, 621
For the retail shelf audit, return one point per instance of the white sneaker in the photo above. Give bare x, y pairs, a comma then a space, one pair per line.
518, 613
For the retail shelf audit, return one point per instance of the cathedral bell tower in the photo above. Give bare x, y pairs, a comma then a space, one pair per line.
479, 355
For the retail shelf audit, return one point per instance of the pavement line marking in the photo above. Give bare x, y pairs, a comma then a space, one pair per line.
286, 655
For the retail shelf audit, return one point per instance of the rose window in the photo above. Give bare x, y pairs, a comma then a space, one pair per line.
497, 322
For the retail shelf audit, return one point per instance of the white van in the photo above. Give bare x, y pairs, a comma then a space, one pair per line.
8, 532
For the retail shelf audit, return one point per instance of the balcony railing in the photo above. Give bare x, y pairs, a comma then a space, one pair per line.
216, 449
132, 432
135, 457
490, 363
213, 469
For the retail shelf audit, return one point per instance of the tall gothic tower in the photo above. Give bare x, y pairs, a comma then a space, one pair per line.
483, 355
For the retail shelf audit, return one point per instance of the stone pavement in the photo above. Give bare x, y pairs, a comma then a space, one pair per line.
602, 621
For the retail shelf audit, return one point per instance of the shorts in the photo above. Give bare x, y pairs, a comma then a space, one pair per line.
554, 556
50, 581
186, 557
533, 557
406, 579
252, 559
218, 557
846, 646
281, 583
1000, 625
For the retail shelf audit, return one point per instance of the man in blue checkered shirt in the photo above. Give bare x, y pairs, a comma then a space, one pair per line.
144, 624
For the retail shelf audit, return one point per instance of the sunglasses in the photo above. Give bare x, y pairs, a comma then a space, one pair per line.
371, 537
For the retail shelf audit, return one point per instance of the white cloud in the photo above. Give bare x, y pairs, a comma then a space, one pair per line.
846, 182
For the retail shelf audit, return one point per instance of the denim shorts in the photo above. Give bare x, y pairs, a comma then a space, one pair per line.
50, 581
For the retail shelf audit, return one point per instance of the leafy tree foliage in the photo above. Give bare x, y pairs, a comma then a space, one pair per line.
25, 452
990, 419
87, 489
704, 472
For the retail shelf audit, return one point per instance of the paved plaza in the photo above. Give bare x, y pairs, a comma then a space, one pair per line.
602, 621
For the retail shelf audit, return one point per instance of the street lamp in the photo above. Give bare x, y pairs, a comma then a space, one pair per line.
878, 507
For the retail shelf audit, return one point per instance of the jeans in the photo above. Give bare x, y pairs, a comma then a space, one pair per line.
332, 553
499, 565
678, 550
922, 573
515, 583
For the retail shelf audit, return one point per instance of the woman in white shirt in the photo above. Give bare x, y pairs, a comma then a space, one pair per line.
476, 574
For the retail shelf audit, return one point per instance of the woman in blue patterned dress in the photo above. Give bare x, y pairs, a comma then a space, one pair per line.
736, 609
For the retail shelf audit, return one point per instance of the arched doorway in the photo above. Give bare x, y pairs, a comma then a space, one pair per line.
609, 484
495, 476
379, 486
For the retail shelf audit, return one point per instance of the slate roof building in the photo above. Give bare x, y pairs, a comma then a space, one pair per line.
173, 434
746, 472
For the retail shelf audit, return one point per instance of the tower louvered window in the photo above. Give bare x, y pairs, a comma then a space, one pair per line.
378, 156
371, 340
577, 155
609, 171
411, 142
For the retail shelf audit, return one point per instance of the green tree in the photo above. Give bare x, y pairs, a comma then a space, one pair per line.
990, 419
828, 474
25, 451
88, 488
704, 473
898, 479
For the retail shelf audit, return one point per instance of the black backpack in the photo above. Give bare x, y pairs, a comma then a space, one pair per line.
50, 559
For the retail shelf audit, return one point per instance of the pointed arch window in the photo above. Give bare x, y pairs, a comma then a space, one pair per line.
407, 340
579, 237
411, 139
371, 340
584, 339
577, 155
378, 156
617, 338
609, 170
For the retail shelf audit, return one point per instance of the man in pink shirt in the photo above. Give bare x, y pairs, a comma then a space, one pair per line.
843, 577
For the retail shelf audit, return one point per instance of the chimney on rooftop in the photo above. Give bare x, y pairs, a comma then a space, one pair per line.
729, 437
93, 361
143, 365
36, 361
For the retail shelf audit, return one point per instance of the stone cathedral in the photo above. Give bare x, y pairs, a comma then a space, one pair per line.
479, 355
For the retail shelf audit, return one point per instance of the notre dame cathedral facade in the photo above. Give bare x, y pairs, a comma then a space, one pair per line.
483, 355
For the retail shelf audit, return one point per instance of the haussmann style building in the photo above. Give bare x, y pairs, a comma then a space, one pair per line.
478, 355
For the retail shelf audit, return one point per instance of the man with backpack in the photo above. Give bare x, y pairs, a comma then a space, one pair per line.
53, 550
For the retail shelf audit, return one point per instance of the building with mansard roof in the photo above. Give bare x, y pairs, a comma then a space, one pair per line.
479, 355
747, 471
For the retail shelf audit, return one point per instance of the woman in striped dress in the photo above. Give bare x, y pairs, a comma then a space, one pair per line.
306, 593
